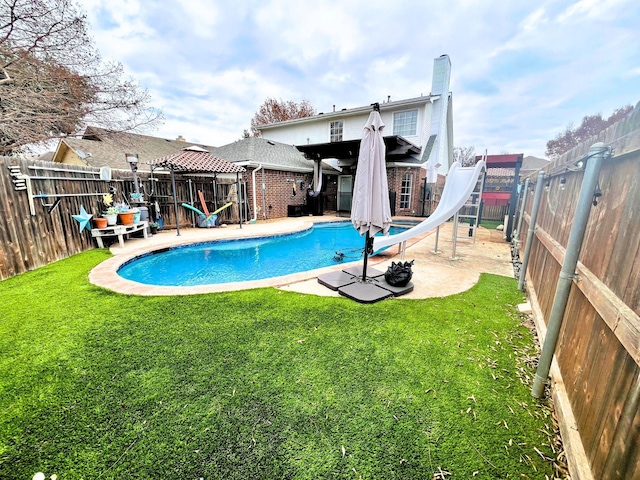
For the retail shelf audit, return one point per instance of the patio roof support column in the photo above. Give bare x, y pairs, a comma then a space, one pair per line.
175, 200
568, 272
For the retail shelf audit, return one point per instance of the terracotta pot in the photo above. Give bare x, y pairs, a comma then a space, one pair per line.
100, 222
126, 218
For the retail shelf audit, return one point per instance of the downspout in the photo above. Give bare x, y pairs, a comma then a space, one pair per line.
264, 197
239, 199
594, 160
255, 199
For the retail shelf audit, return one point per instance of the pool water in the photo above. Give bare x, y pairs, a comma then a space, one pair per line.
323, 245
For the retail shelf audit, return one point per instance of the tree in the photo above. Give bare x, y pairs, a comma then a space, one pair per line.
465, 155
591, 125
52, 80
273, 110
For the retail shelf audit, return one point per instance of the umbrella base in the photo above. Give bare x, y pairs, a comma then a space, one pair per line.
349, 283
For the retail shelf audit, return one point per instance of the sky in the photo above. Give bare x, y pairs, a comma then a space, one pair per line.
522, 71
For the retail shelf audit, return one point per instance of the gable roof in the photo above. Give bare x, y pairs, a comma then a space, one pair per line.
196, 160
531, 163
255, 151
103, 148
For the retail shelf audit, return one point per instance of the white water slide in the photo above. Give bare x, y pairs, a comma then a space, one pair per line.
461, 182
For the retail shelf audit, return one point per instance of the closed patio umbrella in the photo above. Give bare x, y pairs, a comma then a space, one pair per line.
370, 211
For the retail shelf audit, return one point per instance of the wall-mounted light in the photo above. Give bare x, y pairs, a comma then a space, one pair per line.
547, 186
563, 182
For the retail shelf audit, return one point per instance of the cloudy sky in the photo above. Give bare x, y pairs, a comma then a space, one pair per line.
521, 70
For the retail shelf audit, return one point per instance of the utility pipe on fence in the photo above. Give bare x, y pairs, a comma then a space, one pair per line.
523, 198
567, 274
532, 230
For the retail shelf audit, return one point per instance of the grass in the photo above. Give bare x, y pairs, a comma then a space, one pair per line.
490, 224
263, 384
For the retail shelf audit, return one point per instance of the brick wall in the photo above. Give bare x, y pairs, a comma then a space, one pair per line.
278, 193
394, 176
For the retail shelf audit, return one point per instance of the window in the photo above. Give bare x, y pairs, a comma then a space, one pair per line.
405, 123
405, 190
335, 131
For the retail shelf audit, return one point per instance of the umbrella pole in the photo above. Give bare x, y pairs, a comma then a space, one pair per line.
368, 250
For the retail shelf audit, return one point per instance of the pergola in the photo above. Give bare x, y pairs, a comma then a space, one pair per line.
196, 160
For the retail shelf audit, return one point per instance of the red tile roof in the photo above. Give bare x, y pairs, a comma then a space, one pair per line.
196, 160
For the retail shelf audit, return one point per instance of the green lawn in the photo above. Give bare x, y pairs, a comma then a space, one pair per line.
263, 384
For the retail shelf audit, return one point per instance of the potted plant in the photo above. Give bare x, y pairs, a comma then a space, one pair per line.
136, 214
111, 214
153, 227
125, 214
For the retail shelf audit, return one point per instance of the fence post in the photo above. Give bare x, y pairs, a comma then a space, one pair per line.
523, 198
567, 274
532, 230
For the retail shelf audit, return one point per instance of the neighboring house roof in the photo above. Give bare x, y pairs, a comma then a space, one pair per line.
196, 160
255, 151
99, 147
533, 164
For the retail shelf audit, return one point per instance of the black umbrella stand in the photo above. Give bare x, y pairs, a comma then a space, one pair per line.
368, 250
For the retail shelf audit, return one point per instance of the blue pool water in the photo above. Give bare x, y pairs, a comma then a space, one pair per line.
248, 259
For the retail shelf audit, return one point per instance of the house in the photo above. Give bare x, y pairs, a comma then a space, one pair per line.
292, 156
418, 135
500, 192
278, 176
99, 148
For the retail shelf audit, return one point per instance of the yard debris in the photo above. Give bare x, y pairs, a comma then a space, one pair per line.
441, 474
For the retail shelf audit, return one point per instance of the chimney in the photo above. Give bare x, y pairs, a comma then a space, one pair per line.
441, 154
334, 108
388, 98
181, 139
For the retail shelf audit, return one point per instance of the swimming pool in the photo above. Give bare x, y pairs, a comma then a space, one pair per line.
322, 245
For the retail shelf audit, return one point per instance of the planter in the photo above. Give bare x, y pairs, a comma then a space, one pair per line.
153, 229
112, 219
136, 217
100, 222
126, 218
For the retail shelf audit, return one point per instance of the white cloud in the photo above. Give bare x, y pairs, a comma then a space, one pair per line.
518, 71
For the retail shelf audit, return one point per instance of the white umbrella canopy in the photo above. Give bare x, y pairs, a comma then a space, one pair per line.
370, 210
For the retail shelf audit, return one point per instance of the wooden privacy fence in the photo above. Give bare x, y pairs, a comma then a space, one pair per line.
596, 373
494, 212
30, 241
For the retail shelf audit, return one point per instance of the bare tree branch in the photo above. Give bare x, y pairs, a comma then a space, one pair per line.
52, 80
272, 111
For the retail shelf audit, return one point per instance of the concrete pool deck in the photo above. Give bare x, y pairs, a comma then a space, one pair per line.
434, 275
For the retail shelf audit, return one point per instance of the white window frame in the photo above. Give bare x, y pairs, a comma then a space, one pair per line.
406, 189
334, 134
399, 127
